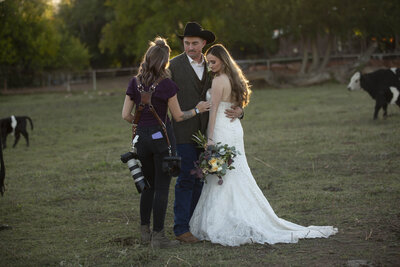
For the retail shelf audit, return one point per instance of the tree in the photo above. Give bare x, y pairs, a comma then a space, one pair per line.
244, 26
84, 19
135, 23
30, 41
376, 20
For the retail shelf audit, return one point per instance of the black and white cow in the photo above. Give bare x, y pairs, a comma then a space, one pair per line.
15, 125
396, 71
382, 85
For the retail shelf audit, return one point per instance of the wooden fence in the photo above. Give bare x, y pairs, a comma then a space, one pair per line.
249, 62
66, 79
91, 76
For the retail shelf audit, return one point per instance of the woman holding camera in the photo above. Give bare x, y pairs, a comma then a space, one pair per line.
152, 146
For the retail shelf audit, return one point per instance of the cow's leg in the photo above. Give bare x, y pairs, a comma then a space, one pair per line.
385, 110
4, 140
26, 135
377, 108
17, 136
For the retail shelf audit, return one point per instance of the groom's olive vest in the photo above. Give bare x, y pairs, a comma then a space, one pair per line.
191, 91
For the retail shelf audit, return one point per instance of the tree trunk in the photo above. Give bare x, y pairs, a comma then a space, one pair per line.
327, 55
344, 73
363, 45
315, 78
304, 61
315, 56
365, 57
350, 48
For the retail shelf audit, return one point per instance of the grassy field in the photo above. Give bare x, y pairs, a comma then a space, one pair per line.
315, 152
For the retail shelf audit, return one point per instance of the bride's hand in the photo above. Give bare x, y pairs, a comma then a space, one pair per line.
233, 112
210, 142
203, 106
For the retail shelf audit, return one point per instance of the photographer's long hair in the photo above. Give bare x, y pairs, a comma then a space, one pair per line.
240, 85
155, 62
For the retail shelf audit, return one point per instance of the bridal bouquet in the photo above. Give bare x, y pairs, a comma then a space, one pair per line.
215, 159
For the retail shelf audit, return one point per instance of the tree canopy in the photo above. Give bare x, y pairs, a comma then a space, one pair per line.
32, 40
246, 26
36, 36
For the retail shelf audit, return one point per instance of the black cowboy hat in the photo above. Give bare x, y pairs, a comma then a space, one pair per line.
193, 29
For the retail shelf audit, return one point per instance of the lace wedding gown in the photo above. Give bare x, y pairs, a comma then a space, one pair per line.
237, 212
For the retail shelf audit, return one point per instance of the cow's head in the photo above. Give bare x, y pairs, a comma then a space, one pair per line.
354, 82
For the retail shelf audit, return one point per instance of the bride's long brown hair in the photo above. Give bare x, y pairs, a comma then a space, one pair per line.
240, 85
155, 62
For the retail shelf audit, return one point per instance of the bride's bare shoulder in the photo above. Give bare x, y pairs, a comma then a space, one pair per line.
221, 79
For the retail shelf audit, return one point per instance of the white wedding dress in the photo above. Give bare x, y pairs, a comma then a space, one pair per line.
237, 212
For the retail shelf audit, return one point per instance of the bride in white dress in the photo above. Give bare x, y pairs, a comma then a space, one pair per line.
237, 211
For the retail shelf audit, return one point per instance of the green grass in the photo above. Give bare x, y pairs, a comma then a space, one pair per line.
315, 152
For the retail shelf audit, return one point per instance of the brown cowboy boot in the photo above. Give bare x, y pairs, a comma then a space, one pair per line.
187, 237
159, 240
145, 233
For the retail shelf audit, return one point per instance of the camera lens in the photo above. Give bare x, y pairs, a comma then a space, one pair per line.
136, 171
137, 174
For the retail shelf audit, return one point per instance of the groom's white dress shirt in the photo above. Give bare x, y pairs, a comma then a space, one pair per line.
197, 67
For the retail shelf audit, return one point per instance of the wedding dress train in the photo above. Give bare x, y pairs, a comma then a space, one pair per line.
237, 211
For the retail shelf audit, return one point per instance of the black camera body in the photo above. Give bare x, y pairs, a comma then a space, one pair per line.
172, 165
134, 165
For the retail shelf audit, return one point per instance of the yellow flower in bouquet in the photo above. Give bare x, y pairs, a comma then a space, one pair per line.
213, 162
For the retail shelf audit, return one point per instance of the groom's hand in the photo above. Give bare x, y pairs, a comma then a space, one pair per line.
234, 112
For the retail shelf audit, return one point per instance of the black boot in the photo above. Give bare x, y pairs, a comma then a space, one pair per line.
145, 234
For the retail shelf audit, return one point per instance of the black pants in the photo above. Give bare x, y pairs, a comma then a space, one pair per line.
151, 153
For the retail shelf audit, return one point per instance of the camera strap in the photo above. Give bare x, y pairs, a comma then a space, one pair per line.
146, 100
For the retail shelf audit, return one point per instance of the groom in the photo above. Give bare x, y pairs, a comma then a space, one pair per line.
189, 72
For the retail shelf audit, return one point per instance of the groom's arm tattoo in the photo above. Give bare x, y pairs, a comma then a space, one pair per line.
187, 115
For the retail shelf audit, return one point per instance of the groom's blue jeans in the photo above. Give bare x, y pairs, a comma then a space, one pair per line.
187, 188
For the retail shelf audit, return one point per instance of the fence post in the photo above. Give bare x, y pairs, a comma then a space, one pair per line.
94, 80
